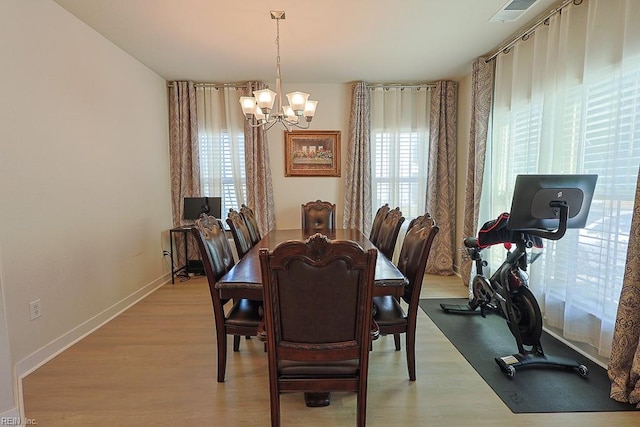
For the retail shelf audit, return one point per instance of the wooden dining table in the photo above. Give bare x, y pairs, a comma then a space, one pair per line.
244, 280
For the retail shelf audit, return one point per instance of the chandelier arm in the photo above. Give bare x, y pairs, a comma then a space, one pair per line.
296, 124
269, 125
301, 127
257, 125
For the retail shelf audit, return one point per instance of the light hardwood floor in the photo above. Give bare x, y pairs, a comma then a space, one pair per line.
156, 365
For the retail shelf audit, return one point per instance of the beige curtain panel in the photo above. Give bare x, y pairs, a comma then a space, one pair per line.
441, 184
357, 204
624, 365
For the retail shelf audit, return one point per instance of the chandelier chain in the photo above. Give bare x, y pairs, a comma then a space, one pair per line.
278, 42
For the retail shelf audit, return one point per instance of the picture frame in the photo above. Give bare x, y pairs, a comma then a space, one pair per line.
312, 153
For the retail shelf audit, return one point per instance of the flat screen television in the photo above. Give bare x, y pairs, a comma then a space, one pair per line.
533, 194
194, 206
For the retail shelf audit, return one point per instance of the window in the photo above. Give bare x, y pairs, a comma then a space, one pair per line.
602, 128
583, 121
399, 171
221, 145
400, 148
230, 180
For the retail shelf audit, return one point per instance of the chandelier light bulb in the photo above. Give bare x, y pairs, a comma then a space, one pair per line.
248, 104
265, 99
297, 100
260, 116
310, 109
289, 114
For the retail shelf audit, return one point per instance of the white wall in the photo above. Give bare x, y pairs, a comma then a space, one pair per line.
84, 173
8, 407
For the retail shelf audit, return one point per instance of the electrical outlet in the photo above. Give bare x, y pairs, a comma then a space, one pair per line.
35, 309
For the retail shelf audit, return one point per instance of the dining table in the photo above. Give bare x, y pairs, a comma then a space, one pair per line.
244, 280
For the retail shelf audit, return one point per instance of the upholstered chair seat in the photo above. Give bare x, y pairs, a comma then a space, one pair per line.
294, 369
243, 312
388, 312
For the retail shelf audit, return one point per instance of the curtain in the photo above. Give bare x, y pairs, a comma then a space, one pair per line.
183, 155
567, 100
481, 99
400, 147
624, 366
258, 170
183, 146
357, 205
222, 145
441, 189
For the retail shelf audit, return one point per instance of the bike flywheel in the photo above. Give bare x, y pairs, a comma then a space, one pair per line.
528, 316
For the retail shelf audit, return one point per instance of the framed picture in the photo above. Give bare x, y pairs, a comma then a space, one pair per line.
312, 153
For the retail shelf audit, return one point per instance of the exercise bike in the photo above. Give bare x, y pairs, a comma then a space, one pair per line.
506, 292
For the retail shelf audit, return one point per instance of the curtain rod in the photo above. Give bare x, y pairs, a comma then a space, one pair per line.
215, 85
401, 85
524, 35
370, 86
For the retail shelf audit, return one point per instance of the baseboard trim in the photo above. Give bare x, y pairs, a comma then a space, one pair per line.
39, 357
576, 347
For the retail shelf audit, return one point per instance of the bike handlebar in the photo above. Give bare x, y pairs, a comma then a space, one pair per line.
523, 235
562, 226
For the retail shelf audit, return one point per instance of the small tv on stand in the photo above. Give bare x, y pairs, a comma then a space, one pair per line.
536, 201
195, 206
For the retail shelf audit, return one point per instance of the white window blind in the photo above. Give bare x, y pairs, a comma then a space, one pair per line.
602, 127
397, 161
222, 166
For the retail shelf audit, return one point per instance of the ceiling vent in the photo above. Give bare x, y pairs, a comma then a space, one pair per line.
513, 10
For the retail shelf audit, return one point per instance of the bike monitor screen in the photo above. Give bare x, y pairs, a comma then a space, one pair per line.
533, 197
194, 206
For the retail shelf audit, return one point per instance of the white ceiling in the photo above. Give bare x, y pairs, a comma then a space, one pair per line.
321, 41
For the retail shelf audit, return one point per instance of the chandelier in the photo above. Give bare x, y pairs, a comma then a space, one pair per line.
260, 105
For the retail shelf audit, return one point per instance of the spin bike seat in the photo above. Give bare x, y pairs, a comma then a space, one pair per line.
497, 231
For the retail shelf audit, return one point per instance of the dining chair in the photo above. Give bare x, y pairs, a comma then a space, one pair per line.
318, 217
252, 223
388, 233
388, 311
244, 317
421, 221
240, 232
377, 222
318, 302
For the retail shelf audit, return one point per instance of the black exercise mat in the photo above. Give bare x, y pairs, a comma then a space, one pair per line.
532, 389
